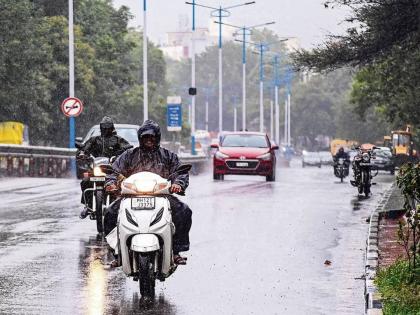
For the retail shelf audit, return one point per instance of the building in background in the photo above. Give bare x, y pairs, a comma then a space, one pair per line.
178, 43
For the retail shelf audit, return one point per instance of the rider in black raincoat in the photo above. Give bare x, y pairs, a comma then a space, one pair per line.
150, 157
108, 144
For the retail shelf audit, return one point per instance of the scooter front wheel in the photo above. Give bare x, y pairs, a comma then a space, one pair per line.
147, 280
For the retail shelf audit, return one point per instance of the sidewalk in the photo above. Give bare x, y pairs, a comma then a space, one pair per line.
383, 248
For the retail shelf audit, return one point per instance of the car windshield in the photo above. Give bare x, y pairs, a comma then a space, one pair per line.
253, 141
383, 153
129, 134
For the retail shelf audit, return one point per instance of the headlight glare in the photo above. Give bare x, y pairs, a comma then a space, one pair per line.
365, 157
221, 156
265, 156
97, 171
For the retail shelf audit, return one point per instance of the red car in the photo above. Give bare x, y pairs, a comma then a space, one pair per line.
244, 153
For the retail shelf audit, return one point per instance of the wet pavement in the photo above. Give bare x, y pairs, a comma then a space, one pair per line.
256, 248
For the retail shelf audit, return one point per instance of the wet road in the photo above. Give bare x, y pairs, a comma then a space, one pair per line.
256, 248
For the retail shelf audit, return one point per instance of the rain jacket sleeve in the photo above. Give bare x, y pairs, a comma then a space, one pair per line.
181, 180
123, 145
88, 147
120, 166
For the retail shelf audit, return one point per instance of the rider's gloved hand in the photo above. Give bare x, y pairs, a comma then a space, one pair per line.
111, 188
175, 188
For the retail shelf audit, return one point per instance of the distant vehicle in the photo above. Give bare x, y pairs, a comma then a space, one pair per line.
13, 132
326, 158
311, 159
244, 153
202, 142
403, 146
383, 160
340, 143
126, 131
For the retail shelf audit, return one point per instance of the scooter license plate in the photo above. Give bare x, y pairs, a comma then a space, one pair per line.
242, 164
143, 203
97, 179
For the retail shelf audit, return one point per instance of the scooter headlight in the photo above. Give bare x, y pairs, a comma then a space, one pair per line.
97, 171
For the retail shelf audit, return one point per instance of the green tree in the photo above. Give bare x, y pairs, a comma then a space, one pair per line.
383, 43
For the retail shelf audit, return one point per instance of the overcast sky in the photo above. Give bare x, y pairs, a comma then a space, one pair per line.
306, 19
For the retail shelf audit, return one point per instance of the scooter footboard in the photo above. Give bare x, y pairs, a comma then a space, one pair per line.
143, 243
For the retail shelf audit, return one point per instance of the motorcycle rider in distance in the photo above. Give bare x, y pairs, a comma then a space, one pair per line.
150, 157
108, 144
341, 154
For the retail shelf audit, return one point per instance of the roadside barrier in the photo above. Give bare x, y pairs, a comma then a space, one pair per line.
35, 161
38, 161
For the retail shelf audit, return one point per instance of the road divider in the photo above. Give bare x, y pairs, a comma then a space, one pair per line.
40, 161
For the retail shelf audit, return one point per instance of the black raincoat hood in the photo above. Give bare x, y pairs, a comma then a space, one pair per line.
150, 127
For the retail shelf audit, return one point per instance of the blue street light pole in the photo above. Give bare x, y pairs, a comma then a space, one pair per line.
245, 31
71, 81
220, 13
276, 98
288, 78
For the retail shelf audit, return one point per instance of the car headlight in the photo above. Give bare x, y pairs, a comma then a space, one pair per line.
221, 156
97, 171
365, 157
265, 156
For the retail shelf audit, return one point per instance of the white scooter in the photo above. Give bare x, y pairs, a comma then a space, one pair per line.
144, 232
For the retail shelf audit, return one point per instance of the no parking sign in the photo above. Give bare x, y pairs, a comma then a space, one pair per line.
72, 107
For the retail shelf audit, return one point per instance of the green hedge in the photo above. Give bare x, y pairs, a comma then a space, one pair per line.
400, 292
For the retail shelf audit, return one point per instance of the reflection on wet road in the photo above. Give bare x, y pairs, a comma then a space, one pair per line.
256, 248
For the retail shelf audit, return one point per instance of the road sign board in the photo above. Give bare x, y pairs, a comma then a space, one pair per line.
72, 107
174, 113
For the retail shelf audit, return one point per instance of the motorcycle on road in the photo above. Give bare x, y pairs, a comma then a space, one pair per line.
143, 237
341, 169
362, 169
100, 199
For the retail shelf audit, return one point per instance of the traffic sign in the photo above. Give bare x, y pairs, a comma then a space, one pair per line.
174, 113
72, 107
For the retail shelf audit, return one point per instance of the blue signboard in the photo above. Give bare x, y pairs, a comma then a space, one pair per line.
174, 114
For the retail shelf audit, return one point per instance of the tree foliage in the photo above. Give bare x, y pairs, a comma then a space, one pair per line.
34, 66
383, 44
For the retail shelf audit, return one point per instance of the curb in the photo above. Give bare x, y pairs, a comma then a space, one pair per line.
372, 296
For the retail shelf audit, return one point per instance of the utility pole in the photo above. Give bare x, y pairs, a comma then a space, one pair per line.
245, 31
145, 79
276, 97
271, 120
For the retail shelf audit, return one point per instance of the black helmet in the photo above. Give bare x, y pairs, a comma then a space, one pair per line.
149, 127
107, 126
341, 150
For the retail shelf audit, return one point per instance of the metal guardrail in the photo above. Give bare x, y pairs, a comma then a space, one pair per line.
38, 161
35, 161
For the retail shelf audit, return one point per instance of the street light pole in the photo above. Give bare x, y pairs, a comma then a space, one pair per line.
72, 123
276, 98
246, 30
145, 79
220, 73
262, 47
220, 13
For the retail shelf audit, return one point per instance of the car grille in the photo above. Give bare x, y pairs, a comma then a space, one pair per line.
252, 164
